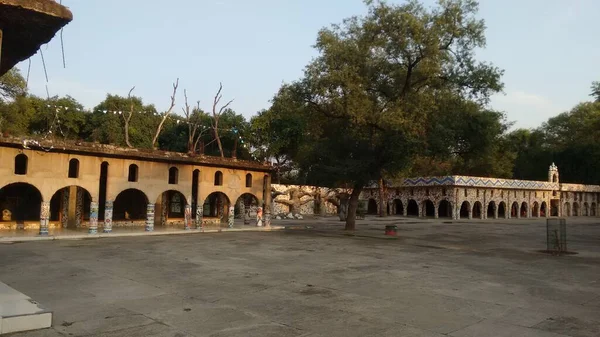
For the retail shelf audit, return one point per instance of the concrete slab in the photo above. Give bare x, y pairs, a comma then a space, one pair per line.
18, 312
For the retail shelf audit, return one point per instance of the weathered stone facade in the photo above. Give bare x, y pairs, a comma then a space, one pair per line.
304, 200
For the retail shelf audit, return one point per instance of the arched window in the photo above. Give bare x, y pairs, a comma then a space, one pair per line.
173, 175
73, 168
133, 173
21, 164
248, 180
218, 178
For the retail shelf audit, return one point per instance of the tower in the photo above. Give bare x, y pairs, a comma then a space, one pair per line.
553, 174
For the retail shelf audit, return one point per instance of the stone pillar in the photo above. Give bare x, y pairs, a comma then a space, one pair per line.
187, 216
150, 217
108, 214
231, 217
78, 207
199, 213
64, 207
267, 198
44, 217
93, 227
436, 211
496, 211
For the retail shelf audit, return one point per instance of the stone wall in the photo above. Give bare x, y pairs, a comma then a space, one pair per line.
304, 199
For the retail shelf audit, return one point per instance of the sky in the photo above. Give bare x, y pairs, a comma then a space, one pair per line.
548, 49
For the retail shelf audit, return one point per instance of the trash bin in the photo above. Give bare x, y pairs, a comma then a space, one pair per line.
391, 230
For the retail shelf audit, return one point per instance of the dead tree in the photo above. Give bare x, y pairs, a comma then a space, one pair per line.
216, 115
166, 114
194, 131
127, 118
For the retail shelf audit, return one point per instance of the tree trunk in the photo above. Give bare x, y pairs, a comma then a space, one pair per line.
127, 133
382, 199
352, 207
219, 140
234, 152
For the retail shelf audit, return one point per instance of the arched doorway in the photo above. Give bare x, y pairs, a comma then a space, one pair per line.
130, 205
412, 209
216, 208
567, 210
543, 209
514, 210
428, 208
477, 213
593, 209
502, 210
524, 210
491, 210
398, 207
19, 203
170, 208
535, 210
372, 207
246, 206
70, 207
575, 209
586, 209
445, 209
465, 210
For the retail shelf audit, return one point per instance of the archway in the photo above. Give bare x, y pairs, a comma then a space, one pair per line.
491, 210
524, 210
20, 202
246, 206
575, 209
412, 208
586, 209
567, 210
372, 208
216, 206
170, 205
544, 209
398, 207
428, 208
535, 210
445, 209
465, 210
514, 210
502, 210
477, 212
593, 209
70, 207
130, 205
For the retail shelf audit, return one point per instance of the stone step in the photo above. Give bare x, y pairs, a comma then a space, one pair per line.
18, 312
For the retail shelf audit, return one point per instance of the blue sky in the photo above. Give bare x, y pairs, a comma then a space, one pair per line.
548, 48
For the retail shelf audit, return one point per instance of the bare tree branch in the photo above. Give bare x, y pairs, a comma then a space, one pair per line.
217, 115
128, 118
166, 114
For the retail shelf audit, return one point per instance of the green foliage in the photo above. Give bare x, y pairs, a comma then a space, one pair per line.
12, 85
596, 91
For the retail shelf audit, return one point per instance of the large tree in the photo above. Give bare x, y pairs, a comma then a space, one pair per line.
378, 81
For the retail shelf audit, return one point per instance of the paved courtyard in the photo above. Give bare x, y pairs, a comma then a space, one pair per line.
470, 278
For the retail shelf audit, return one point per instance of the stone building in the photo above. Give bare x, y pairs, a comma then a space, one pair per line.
464, 197
92, 185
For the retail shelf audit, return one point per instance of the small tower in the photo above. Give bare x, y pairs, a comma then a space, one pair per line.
553, 174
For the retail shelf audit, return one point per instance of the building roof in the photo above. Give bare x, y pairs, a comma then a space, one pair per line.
26, 25
111, 151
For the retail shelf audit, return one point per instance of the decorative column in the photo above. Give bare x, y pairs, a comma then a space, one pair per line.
436, 211
199, 213
259, 217
93, 226
79, 207
187, 216
44, 217
150, 217
231, 217
64, 208
108, 214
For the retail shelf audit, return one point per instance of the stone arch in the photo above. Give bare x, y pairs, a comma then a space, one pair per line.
21, 162
74, 168
173, 175
567, 210
170, 205
216, 205
218, 178
133, 173
477, 210
130, 205
248, 180
70, 206
20, 202
445, 209
586, 209
246, 206
412, 208
576, 209
544, 209
465, 210
524, 208
372, 207
514, 210
502, 210
428, 208
398, 207
491, 210
535, 210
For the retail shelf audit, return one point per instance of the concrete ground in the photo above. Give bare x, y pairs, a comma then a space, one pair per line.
471, 278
